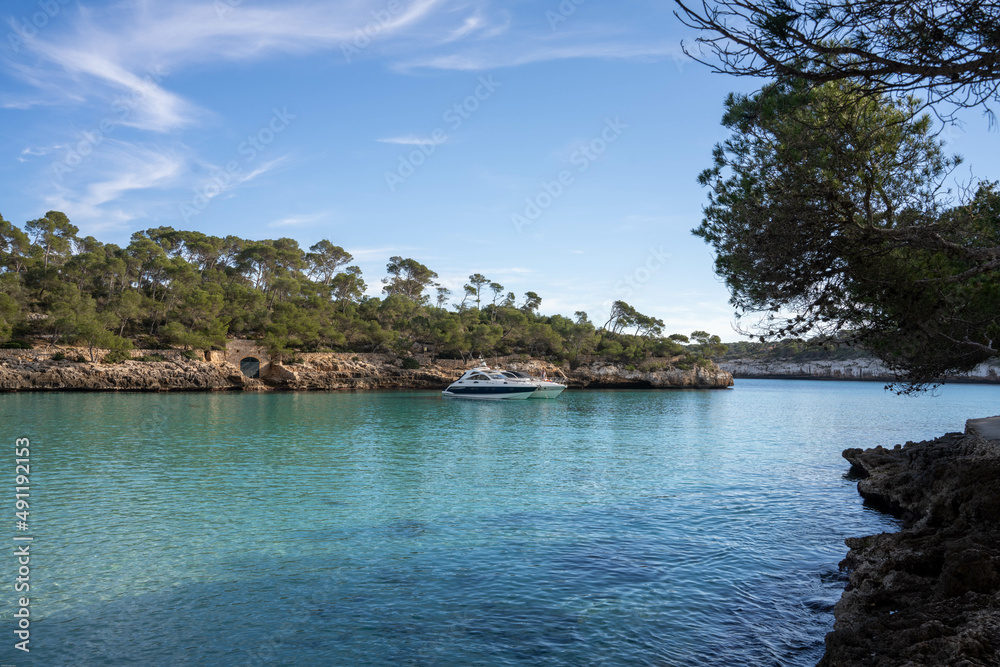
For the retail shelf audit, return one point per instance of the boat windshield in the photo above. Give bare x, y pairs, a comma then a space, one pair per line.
496, 376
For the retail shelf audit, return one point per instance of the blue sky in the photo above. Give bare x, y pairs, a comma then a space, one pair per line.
552, 146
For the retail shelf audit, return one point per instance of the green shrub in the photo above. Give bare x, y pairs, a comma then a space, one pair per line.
355, 358
58, 356
152, 358
116, 356
16, 345
410, 363
192, 355
80, 359
151, 343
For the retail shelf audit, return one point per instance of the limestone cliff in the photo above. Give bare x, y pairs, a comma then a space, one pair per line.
25, 374
29, 370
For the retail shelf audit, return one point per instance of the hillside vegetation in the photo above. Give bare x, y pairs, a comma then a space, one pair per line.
186, 289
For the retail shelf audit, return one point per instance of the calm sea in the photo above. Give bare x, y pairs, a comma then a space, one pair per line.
603, 527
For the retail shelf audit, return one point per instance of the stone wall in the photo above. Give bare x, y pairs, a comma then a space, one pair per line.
240, 348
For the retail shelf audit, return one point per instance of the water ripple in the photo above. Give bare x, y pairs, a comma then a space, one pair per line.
613, 528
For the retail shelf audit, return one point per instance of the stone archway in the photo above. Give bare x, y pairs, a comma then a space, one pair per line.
250, 366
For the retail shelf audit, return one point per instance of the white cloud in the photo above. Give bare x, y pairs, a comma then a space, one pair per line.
298, 220
116, 63
92, 194
107, 55
411, 140
264, 168
124, 53
39, 151
369, 254
479, 58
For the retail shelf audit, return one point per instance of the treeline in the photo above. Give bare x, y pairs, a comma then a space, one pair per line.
794, 349
186, 289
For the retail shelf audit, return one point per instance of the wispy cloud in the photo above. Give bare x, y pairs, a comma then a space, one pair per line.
479, 58
411, 140
38, 151
106, 54
95, 195
119, 62
298, 220
368, 254
264, 168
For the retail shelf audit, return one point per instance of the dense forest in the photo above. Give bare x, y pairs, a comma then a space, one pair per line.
185, 289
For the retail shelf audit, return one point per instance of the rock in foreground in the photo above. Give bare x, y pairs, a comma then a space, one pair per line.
929, 594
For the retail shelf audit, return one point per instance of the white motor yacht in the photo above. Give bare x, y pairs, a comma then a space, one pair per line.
485, 383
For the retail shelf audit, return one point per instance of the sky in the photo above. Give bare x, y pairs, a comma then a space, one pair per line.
551, 145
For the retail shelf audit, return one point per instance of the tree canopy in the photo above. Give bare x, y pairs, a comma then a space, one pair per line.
828, 215
950, 51
176, 288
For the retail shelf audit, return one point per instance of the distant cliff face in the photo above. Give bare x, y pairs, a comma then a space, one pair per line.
848, 369
31, 370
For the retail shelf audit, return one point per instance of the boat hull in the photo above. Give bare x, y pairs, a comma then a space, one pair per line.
544, 391
503, 393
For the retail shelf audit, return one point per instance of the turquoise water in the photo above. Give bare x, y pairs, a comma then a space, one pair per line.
603, 527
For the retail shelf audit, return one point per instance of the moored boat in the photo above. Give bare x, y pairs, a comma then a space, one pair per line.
484, 383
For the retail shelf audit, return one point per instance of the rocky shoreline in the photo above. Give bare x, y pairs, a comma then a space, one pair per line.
930, 593
29, 371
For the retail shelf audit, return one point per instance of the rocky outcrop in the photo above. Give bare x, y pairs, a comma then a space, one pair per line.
28, 370
863, 368
606, 375
929, 594
26, 374
335, 372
